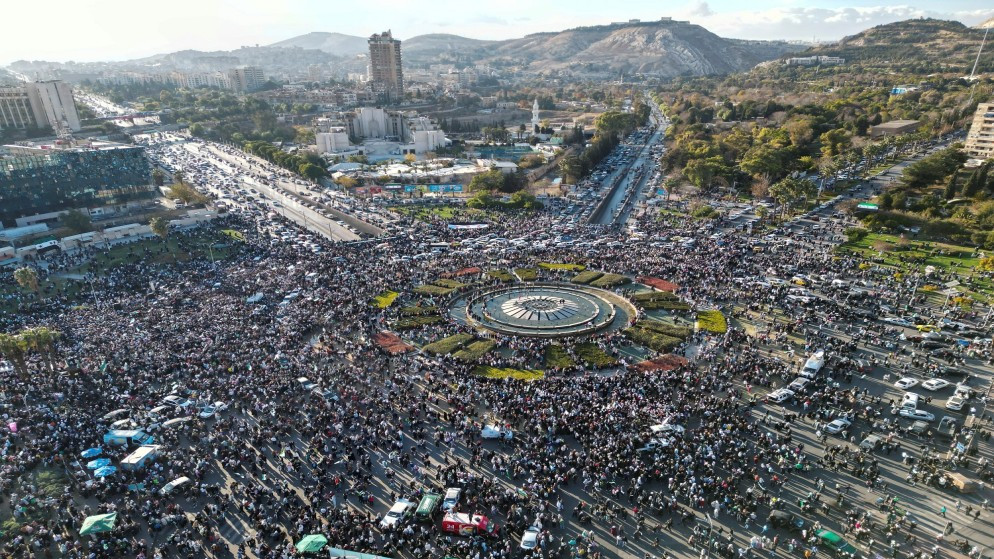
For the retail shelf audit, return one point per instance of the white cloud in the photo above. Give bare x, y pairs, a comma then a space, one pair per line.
805, 23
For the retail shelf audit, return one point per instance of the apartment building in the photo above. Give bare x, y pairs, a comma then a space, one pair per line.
38, 105
980, 139
385, 69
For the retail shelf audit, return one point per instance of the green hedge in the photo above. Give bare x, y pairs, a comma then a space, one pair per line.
448, 345
419, 310
502, 373
652, 340
610, 280
556, 357
501, 275
384, 299
526, 274
413, 322
593, 356
450, 283
433, 290
474, 351
665, 305
652, 296
562, 266
682, 332
586, 277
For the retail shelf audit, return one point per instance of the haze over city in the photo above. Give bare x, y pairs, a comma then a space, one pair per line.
225, 25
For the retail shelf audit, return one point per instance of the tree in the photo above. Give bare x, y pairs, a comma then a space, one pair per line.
159, 226
950, 192
158, 177
189, 195
311, 171
27, 278
410, 158
491, 180
178, 177
347, 182
790, 192
42, 341
986, 264
760, 187
702, 172
77, 222
13, 348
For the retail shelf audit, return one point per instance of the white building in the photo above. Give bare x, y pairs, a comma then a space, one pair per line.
39, 104
246, 78
335, 140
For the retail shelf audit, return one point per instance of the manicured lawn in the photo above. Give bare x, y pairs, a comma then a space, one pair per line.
562, 266
384, 299
593, 356
608, 281
419, 310
474, 351
448, 345
449, 283
517, 374
556, 357
712, 321
652, 340
412, 322
501, 275
681, 332
433, 290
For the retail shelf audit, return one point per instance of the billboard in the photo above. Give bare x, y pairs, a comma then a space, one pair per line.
444, 188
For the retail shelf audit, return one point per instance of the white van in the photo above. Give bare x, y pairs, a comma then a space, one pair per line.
909, 401
174, 484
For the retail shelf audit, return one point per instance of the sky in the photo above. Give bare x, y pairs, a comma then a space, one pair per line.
94, 30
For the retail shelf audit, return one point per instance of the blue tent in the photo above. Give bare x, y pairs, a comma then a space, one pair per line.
92, 452
105, 471
98, 463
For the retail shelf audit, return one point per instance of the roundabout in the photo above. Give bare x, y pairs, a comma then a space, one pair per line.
545, 310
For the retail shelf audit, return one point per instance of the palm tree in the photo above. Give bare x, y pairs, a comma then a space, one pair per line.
158, 177
159, 226
27, 278
42, 340
13, 348
178, 177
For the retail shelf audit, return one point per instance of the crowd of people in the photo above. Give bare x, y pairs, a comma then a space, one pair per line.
276, 462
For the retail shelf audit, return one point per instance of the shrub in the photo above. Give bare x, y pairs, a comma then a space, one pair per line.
592, 355
474, 351
501, 275
448, 345
682, 332
562, 266
666, 305
419, 310
413, 322
610, 280
433, 290
527, 274
712, 321
556, 357
449, 283
656, 342
648, 296
856, 234
384, 300
586, 277
503, 373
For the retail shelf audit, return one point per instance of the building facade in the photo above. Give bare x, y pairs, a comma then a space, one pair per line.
38, 105
36, 181
980, 139
385, 69
246, 78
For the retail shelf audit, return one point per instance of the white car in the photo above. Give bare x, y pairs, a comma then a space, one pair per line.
207, 412
397, 512
451, 498
906, 383
935, 384
780, 395
955, 403
530, 538
963, 391
496, 432
897, 321
917, 415
837, 426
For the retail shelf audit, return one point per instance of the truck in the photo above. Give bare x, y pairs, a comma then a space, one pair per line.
813, 364
139, 458
128, 437
462, 524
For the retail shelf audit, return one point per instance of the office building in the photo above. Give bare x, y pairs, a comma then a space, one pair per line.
38, 105
980, 139
894, 128
385, 70
246, 78
42, 182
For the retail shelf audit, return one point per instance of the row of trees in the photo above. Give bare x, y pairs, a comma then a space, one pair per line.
17, 348
611, 127
308, 165
518, 200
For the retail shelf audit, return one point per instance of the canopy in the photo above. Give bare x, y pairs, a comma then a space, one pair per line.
336, 553
98, 523
98, 463
92, 452
311, 543
105, 471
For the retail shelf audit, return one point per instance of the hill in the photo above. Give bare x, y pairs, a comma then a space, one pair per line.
338, 44
946, 44
442, 47
985, 24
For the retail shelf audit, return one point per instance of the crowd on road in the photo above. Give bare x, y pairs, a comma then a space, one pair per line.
259, 378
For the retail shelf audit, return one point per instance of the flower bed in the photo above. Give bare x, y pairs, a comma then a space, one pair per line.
385, 299
474, 351
658, 283
712, 321
652, 340
503, 373
448, 345
682, 332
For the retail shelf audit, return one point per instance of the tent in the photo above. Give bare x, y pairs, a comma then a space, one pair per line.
105, 471
336, 553
92, 452
97, 464
98, 523
311, 543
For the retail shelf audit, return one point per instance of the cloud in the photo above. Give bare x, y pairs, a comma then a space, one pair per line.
794, 22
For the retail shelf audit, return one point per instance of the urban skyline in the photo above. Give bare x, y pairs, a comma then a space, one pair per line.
196, 25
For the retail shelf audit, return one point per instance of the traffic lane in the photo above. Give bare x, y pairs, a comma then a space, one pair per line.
306, 217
